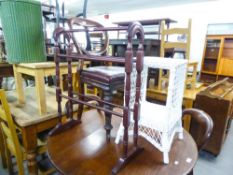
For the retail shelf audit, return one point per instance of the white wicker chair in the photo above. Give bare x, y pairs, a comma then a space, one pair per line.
159, 123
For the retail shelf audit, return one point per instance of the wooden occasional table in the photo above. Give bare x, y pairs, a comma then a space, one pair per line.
6, 70
84, 150
30, 122
39, 71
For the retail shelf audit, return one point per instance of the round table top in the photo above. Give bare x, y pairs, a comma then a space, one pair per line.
83, 150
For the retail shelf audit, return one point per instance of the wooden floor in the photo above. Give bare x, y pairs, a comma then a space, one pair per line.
83, 151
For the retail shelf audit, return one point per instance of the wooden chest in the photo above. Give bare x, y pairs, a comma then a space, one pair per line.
217, 101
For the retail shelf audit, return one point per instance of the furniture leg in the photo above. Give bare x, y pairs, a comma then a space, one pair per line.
107, 96
3, 150
188, 103
1, 78
19, 85
30, 145
40, 91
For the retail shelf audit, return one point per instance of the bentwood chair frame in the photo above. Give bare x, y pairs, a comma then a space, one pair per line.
201, 127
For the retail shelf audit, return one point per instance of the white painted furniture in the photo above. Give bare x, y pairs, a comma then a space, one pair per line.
159, 123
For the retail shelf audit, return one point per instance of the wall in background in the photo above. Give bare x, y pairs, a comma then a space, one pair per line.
202, 14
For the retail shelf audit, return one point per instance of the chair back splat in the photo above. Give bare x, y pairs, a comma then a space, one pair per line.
8, 129
135, 29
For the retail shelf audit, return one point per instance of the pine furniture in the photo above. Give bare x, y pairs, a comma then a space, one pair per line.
28, 120
38, 71
217, 61
171, 47
10, 138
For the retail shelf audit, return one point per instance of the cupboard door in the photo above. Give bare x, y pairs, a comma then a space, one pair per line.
226, 67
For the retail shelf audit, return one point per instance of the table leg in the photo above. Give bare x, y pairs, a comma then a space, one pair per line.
107, 96
3, 150
187, 104
40, 91
30, 145
1, 78
19, 85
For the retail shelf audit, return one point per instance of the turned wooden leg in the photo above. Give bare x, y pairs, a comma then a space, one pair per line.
80, 106
3, 150
1, 78
30, 145
107, 96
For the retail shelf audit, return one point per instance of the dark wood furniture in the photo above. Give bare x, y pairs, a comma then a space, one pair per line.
151, 43
217, 61
201, 127
217, 101
82, 150
151, 47
135, 29
106, 78
6, 70
151, 23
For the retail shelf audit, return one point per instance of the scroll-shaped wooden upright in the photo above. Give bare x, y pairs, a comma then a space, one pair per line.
135, 29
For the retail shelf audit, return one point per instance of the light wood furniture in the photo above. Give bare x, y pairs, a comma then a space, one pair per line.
30, 123
83, 150
39, 71
217, 101
217, 59
11, 140
188, 99
172, 47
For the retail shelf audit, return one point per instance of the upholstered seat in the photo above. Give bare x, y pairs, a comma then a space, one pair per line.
104, 74
108, 79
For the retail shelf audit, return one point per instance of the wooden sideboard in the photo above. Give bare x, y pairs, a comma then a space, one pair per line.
217, 101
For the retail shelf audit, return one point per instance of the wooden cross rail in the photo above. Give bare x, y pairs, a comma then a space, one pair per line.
135, 29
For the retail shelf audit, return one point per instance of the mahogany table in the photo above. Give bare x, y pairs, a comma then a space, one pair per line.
84, 150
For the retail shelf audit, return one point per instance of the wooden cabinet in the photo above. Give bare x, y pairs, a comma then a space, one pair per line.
217, 59
217, 101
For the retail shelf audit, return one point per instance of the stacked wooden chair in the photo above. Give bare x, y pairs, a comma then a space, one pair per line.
182, 48
11, 143
159, 123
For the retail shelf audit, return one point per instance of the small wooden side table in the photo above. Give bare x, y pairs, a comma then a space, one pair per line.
39, 71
